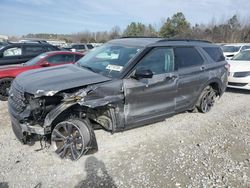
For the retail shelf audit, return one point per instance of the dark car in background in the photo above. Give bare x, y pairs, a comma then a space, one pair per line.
48, 59
17, 53
123, 84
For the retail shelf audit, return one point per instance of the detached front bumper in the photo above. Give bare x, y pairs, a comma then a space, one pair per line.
24, 130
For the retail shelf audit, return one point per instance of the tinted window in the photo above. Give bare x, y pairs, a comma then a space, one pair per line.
77, 57
81, 47
15, 51
215, 53
52, 48
187, 56
245, 47
62, 58
90, 46
159, 61
33, 50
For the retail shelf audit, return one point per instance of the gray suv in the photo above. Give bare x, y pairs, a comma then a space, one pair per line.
123, 84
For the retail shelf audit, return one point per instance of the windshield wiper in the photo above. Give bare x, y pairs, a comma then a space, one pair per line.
89, 68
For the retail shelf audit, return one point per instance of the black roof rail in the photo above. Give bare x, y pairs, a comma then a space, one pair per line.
186, 40
34, 41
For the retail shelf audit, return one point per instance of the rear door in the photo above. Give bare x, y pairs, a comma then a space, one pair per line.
154, 97
11, 55
191, 76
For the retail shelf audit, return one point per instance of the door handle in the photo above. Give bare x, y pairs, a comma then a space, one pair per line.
203, 68
171, 77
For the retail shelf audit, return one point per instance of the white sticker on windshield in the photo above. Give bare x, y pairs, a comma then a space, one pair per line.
115, 67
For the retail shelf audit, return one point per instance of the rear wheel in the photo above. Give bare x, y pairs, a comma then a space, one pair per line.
206, 100
71, 138
5, 84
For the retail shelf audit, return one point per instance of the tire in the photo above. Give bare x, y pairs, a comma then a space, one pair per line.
72, 138
5, 84
206, 100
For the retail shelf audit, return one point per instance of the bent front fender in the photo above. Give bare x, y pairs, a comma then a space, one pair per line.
53, 114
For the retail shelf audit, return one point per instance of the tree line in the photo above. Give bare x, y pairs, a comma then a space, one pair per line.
177, 26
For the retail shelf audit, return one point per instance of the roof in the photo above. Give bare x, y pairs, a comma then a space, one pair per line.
151, 42
142, 42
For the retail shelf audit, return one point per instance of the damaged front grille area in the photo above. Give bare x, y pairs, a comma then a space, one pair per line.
16, 98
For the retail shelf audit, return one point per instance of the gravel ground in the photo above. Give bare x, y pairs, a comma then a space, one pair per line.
186, 150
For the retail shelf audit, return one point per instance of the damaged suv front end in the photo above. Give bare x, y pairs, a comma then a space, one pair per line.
40, 99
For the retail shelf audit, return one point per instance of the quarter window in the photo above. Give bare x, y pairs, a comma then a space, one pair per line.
16, 51
159, 61
215, 53
187, 57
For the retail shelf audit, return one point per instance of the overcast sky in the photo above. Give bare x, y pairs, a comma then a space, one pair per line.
18, 17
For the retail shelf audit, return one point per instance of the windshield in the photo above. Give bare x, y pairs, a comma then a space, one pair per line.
109, 59
231, 48
242, 56
35, 60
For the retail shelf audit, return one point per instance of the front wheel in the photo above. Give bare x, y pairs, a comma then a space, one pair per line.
71, 138
5, 84
206, 100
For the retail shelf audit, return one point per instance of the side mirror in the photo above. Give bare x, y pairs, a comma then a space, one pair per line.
142, 73
1, 54
45, 64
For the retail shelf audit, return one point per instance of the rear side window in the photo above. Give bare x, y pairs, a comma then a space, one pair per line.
215, 53
15, 51
187, 57
61, 58
33, 50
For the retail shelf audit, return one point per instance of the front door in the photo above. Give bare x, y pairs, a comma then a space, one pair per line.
150, 98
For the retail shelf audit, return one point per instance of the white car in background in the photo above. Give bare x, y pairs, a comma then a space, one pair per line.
239, 76
230, 50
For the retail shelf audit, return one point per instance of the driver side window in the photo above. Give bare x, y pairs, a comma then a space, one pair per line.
158, 60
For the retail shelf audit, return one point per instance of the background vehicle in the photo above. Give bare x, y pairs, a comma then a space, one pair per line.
122, 84
231, 50
8, 73
81, 47
17, 53
3, 44
240, 71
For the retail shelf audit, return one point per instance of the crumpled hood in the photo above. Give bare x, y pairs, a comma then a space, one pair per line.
48, 81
